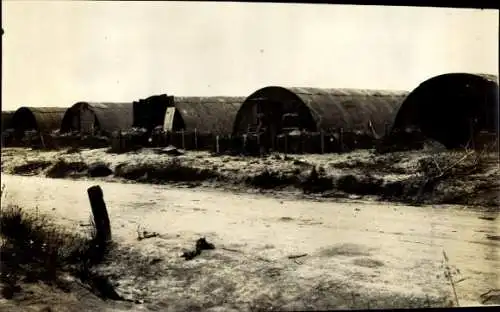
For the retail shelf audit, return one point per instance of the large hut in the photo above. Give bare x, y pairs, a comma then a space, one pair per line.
210, 115
280, 109
40, 119
98, 118
7, 119
451, 108
149, 113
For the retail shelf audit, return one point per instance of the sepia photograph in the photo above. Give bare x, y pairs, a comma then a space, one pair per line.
245, 156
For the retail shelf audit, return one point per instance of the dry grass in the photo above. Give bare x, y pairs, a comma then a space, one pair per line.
33, 250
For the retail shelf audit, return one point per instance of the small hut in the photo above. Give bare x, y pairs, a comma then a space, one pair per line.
40, 119
280, 109
94, 118
211, 115
451, 108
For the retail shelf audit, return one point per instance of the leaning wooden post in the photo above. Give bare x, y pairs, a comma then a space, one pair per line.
195, 139
100, 214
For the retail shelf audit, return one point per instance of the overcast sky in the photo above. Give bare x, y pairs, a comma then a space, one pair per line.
58, 53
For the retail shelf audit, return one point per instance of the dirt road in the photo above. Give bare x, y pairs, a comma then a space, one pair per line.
376, 254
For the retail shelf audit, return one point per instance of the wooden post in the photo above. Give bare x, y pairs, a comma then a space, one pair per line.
245, 142
322, 136
286, 143
341, 139
217, 144
471, 133
100, 214
119, 141
41, 139
302, 136
195, 139
183, 143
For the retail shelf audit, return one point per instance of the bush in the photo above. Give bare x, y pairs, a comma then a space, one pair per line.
366, 185
172, 171
99, 170
272, 179
32, 167
62, 168
317, 182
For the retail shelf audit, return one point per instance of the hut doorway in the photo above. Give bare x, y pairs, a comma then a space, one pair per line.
273, 118
269, 115
173, 120
23, 120
88, 121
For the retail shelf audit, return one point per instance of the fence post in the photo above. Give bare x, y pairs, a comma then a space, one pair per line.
341, 139
322, 137
244, 143
41, 139
100, 214
183, 143
217, 144
120, 141
195, 139
302, 145
286, 143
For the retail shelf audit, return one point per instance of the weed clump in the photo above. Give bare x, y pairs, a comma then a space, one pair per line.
33, 250
269, 179
31, 168
317, 181
62, 168
172, 171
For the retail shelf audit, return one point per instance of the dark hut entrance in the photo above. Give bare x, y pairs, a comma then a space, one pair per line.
23, 120
274, 118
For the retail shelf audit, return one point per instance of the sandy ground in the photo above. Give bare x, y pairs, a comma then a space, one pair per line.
388, 177
354, 254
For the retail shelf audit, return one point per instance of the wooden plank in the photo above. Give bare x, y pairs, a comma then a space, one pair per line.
168, 122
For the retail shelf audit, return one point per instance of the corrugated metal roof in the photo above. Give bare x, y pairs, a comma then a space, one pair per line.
46, 118
351, 109
111, 116
442, 106
215, 114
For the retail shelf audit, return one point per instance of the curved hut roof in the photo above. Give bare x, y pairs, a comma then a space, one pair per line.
39, 118
445, 106
111, 116
351, 109
214, 114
